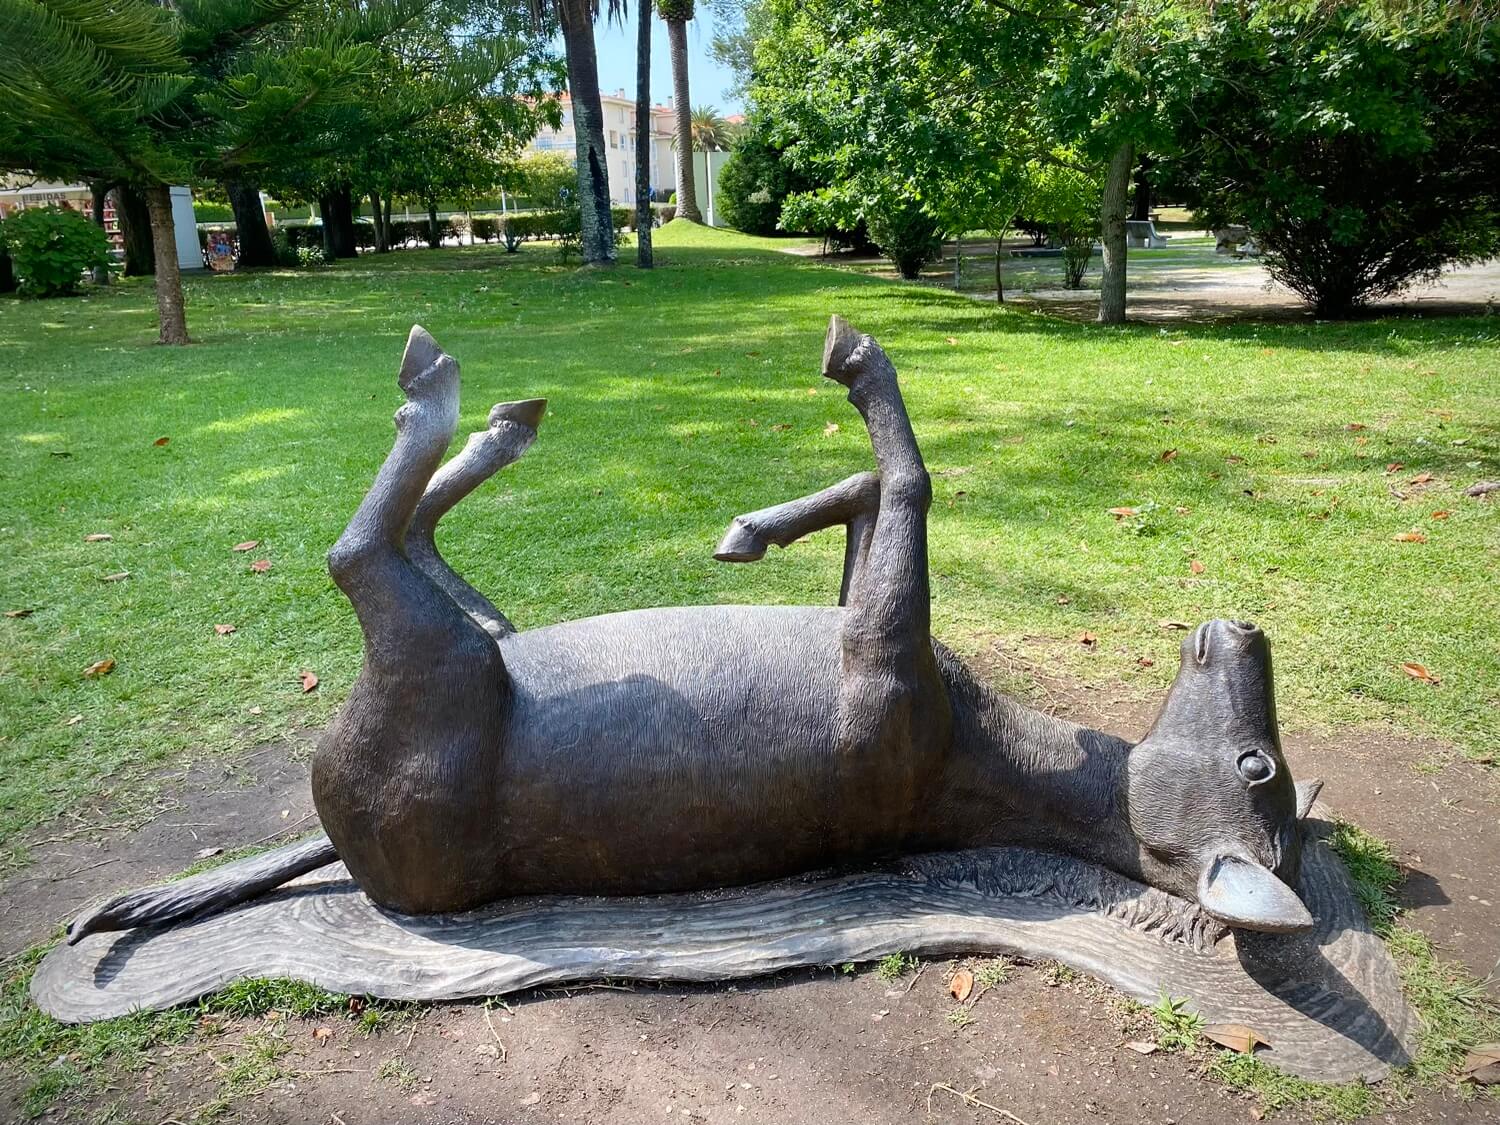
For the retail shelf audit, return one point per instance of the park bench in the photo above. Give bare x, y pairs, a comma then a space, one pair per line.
1140, 234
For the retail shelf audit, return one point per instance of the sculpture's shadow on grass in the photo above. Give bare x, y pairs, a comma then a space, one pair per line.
1328, 1002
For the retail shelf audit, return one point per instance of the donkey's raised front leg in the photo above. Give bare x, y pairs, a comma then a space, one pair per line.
512, 429
852, 502
892, 699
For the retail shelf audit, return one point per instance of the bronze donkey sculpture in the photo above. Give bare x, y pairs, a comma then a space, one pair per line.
685, 748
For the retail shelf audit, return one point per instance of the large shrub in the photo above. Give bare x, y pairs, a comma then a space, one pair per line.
52, 249
1356, 140
906, 234
1065, 201
756, 181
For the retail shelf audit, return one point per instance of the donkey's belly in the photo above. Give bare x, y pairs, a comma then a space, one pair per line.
669, 749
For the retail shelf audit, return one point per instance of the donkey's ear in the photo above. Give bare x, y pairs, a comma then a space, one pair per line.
1307, 793
1249, 897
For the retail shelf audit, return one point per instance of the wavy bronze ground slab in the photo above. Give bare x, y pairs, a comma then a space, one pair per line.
1329, 1002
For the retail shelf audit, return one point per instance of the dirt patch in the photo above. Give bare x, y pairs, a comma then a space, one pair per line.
258, 798
803, 1048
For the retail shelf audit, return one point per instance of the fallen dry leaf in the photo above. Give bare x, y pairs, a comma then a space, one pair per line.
1355, 426
98, 537
1142, 1047
322, 1033
247, 545
1394, 467
781, 427
953, 340
1175, 625
1122, 513
208, 853
100, 667
1062, 599
1441, 514
1169, 454
223, 630
19, 612
1419, 672
1421, 478
1087, 639
1237, 1037
1196, 567
961, 985
1409, 537
118, 576
1482, 1065
161, 441
260, 566
831, 428
74, 721
1145, 661
309, 682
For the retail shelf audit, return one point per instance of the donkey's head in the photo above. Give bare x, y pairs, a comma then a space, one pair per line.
1210, 797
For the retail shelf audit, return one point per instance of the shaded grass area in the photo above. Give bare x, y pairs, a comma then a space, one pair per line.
680, 398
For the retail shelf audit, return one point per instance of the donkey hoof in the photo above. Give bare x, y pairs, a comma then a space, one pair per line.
426, 370
741, 543
527, 412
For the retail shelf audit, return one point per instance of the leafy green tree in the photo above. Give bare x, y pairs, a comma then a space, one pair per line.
1065, 197
147, 95
544, 179
1356, 139
677, 14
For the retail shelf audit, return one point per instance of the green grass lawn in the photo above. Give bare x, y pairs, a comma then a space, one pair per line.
678, 399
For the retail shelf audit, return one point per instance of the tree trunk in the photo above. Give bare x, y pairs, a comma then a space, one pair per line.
338, 223
325, 224
596, 229
644, 216
1112, 220
170, 309
250, 224
387, 221
135, 228
8, 282
1140, 209
999, 274
687, 191
434, 236
100, 192
378, 221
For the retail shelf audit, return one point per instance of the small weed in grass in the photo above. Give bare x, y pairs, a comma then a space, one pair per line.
290, 997
1279, 1091
1055, 974
895, 966
993, 972
1176, 1027
398, 1070
960, 1016
1373, 867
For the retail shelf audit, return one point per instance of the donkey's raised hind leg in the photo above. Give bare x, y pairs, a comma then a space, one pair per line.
512, 429
892, 700
400, 609
852, 502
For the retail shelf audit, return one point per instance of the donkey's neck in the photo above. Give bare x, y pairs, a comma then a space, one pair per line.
1019, 776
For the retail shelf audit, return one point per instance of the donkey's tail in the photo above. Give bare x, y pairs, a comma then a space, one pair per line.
207, 893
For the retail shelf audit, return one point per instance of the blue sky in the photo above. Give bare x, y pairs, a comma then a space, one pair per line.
708, 80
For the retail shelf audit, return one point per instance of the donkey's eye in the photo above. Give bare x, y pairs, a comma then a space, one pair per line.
1255, 768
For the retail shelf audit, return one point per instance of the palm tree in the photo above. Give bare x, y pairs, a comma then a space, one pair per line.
576, 17
677, 13
643, 215
711, 133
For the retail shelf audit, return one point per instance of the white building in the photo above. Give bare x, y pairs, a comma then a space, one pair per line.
619, 144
